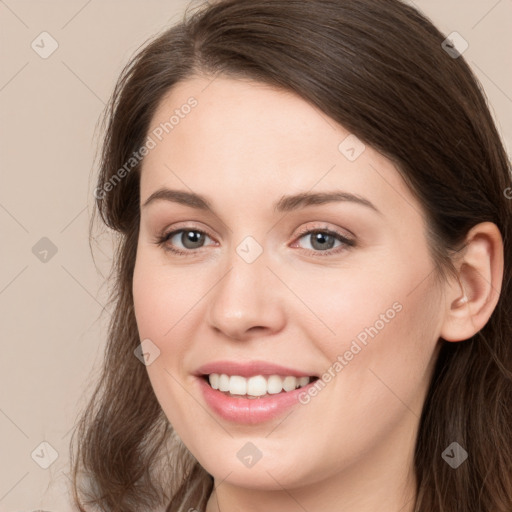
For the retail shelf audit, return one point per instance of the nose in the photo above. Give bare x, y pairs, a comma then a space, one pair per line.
247, 301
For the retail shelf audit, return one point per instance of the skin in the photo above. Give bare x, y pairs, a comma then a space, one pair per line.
350, 448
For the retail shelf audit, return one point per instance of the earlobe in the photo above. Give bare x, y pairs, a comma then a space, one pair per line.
472, 299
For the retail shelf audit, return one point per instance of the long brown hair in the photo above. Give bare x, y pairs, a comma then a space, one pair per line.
378, 68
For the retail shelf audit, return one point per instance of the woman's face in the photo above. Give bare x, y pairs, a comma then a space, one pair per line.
322, 287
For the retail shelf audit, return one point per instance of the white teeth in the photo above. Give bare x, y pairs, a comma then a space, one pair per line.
257, 385
237, 385
274, 384
289, 383
223, 383
214, 380
303, 381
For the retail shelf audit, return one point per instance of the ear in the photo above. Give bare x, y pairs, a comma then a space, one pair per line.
471, 300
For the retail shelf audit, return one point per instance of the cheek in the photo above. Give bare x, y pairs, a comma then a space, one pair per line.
340, 303
384, 303
385, 352
380, 365
161, 302
166, 304
163, 296
383, 325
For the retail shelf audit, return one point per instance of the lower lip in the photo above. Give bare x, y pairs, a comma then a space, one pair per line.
250, 411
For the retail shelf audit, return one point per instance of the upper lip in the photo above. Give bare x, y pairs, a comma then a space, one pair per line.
249, 369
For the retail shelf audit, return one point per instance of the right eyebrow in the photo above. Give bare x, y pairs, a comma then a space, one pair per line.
179, 196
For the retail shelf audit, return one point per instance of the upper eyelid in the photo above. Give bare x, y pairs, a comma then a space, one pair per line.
198, 224
187, 227
307, 230
190, 226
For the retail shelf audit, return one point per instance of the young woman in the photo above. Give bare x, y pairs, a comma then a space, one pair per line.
313, 281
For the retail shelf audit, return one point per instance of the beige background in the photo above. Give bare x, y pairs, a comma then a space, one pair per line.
52, 333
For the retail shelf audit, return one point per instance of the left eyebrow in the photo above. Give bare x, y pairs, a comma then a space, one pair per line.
285, 204
294, 202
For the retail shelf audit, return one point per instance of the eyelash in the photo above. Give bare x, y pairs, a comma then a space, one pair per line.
162, 240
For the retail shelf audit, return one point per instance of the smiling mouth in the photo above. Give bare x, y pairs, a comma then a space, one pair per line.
257, 386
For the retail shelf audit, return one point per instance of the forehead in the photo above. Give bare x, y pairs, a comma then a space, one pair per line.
242, 118
250, 136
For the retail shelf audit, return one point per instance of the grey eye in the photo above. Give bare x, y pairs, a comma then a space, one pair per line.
189, 238
320, 240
